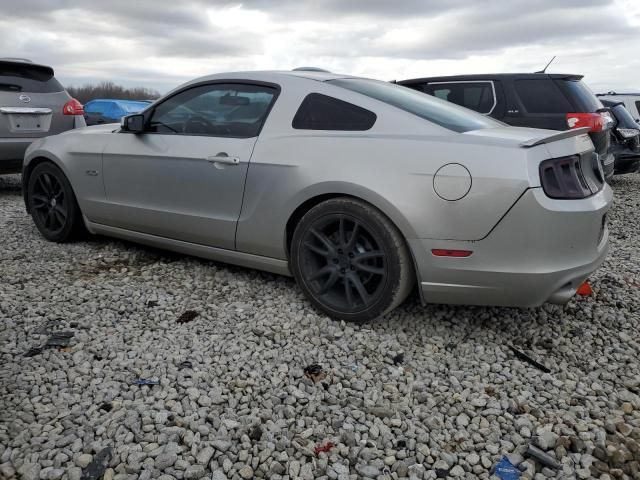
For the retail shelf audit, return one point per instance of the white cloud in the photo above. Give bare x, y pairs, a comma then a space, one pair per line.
161, 44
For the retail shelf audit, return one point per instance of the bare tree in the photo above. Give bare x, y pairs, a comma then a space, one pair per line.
111, 90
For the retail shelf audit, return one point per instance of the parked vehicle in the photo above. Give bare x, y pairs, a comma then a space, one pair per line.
625, 138
33, 104
538, 100
631, 102
356, 187
105, 110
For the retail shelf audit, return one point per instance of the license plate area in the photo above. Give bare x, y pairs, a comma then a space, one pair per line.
26, 120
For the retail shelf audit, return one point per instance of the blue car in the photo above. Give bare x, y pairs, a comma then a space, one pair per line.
104, 110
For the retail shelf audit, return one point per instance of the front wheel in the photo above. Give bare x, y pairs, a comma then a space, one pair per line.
52, 203
350, 260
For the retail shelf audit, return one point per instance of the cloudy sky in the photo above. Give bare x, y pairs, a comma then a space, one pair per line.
161, 43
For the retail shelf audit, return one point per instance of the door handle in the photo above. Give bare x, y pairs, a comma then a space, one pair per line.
224, 158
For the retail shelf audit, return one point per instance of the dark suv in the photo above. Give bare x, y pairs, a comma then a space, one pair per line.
33, 104
537, 100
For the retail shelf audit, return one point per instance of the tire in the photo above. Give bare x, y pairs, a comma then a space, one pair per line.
350, 260
53, 205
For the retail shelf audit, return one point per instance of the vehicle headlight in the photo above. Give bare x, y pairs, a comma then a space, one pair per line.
628, 132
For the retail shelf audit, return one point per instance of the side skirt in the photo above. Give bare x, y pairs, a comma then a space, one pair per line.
273, 265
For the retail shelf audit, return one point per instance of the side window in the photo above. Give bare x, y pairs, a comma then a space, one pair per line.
219, 110
638, 108
321, 112
542, 96
478, 96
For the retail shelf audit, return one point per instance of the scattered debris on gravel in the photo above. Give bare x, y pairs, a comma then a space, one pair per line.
428, 392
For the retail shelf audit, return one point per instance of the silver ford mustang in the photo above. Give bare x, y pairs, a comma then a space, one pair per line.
360, 189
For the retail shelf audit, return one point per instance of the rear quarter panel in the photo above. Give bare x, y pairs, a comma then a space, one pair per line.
390, 166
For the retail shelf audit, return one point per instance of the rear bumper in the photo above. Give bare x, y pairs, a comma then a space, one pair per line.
541, 251
12, 152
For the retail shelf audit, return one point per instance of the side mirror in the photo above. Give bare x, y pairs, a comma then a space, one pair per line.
133, 123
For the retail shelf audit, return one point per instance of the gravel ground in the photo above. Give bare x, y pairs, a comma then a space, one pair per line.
427, 392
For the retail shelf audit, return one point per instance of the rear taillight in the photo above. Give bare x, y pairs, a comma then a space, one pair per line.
596, 122
73, 107
571, 177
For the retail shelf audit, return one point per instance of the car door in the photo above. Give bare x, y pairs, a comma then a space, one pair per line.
183, 177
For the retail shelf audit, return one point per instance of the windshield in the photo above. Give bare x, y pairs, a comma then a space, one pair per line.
440, 112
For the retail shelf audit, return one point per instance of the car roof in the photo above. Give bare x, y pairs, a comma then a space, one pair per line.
614, 94
118, 100
492, 76
272, 75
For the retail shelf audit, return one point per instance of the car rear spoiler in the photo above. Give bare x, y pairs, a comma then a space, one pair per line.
554, 137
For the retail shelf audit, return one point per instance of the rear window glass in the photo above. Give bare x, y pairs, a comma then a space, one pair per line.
583, 98
440, 112
321, 112
542, 96
16, 77
477, 96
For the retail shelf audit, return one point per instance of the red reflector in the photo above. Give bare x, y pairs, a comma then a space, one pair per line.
595, 121
584, 290
73, 107
441, 252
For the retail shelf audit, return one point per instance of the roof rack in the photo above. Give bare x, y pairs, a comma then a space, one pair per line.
310, 69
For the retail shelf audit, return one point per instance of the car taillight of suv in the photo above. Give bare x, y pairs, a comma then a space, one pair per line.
596, 122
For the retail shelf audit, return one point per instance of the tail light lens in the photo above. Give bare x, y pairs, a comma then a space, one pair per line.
73, 107
596, 122
573, 177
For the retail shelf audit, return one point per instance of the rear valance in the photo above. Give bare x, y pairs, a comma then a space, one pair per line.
554, 137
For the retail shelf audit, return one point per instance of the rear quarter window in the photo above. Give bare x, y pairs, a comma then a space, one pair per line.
322, 112
442, 113
16, 77
542, 96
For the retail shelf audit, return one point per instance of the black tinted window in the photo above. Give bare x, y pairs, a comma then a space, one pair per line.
638, 106
477, 96
220, 110
442, 113
581, 96
18, 77
542, 96
320, 112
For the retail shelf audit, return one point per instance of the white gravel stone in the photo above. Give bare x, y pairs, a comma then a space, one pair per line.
458, 401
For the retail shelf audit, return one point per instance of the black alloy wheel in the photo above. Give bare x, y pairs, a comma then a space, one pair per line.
350, 260
52, 203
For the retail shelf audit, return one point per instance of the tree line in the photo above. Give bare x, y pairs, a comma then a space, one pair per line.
111, 90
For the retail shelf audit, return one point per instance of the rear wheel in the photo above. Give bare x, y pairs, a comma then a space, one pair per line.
52, 203
350, 260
